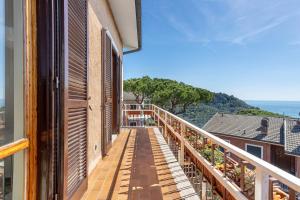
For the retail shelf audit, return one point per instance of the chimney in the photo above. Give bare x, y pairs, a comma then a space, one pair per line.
284, 132
265, 125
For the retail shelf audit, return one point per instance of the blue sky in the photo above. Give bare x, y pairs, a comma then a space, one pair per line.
248, 48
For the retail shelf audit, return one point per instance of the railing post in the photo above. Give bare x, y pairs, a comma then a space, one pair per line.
271, 187
169, 139
213, 147
225, 162
292, 194
261, 184
126, 118
204, 190
158, 116
165, 128
242, 175
182, 134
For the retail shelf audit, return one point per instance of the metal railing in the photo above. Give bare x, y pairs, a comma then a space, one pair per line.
205, 159
137, 115
2, 119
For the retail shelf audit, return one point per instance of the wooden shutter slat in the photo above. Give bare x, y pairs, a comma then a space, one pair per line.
107, 91
75, 99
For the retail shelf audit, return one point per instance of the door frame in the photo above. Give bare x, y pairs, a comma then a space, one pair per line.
49, 137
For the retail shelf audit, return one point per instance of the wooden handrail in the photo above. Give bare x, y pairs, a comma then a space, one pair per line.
14, 147
284, 177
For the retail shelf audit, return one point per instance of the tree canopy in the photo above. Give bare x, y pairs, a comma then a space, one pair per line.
259, 112
169, 94
141, 88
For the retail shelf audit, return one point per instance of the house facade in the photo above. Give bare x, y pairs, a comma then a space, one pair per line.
275, 140
62, 87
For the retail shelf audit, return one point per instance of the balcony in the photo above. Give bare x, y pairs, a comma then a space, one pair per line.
166, 157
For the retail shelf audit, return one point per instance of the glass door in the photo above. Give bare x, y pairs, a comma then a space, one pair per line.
12, 137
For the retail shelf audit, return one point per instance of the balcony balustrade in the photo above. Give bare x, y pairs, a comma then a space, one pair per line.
215, 168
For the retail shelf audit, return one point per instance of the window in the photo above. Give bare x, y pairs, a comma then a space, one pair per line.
11, 98
255, 150
11, 71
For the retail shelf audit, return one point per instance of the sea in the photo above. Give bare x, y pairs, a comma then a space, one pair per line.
2, 102
288, 108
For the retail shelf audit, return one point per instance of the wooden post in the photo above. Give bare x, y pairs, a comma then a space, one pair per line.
204, 185
271, 186
225, 162
165, 131
292, 194
158, 116
242, 175
261, 184
182, 134
213, 184
213, 147
224, 193
196, 140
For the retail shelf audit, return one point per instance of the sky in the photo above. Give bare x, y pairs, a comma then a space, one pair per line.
246, 48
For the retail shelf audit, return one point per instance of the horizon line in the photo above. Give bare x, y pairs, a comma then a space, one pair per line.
281, 100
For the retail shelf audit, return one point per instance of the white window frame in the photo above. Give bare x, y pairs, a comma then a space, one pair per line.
254, 145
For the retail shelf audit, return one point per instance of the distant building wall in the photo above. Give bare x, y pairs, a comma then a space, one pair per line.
99, 16
297, 167
241, 143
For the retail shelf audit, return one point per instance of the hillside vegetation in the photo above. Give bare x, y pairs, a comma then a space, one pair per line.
258, 112
196, 105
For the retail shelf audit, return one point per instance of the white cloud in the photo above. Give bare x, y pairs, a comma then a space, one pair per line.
234, 21
242, 38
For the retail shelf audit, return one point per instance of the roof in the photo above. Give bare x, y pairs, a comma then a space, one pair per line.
128, 96
293, 138
249, 127
127, 15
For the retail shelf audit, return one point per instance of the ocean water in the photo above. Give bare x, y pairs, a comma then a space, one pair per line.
289, 108
2, 102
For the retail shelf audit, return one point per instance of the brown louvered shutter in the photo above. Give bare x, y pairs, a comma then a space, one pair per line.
107, 92
75, 98
119, 85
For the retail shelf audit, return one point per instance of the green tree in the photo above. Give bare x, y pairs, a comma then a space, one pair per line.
141, 88
259, 112
169, 94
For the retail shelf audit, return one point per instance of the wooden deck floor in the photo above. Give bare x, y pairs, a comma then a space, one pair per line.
144, 173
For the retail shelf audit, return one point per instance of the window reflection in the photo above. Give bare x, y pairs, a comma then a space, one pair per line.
11, 177
11, 96
11, 71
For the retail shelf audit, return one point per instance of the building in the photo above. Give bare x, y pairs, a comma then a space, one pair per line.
62, 88
129, 98
276, 140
